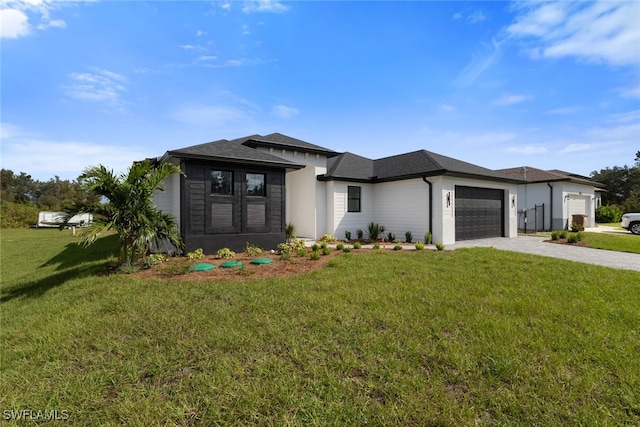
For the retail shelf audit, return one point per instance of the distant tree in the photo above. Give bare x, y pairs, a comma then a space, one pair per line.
129, 210
16, 188
620, 182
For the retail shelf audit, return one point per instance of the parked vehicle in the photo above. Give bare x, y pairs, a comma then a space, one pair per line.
631, 222
54, 219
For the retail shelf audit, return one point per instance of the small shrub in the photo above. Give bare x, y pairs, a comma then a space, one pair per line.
226, 253
315, 255
419, 246
440, 246
555, 235
576, 227
328, 238
408, 237
563, 234
579, 236
154, 259
289, 232
391, 237
301, 251
127, 268
285, 256
299, 244
284, 249
359, 234
243, 271
253, 250
339, 246
376, 245
326, 251
428, 238
397, 247
375, 230
357, 245
573, 238
195, 255
346, 249
347, 235
315, 247
323, 245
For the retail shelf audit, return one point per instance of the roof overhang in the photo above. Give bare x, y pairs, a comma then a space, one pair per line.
284, 164
255, 142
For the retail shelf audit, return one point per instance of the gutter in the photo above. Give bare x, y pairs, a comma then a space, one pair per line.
424, 178
550, 206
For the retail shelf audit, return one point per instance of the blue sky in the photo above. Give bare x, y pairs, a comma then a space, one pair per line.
498, 84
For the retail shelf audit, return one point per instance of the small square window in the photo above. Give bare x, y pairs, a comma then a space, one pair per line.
353, 199
222, 182
255, 185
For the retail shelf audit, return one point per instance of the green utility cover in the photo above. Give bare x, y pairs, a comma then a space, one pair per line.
203, 266
261, 261
231, 264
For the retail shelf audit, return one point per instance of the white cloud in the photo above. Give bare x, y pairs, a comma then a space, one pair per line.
527, 150
510, 99
572, 148
16, 14
44, 158
476, 17
264, 6
632, 91
99, 86
480, 63
284, 112
13, 24
601, 32
564, 110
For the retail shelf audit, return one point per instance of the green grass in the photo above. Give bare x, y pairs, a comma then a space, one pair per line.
473, 336
613, 242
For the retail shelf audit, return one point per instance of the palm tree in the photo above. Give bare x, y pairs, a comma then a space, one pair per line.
129, 210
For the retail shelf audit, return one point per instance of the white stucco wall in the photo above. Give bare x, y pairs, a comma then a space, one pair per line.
530, 195
305, 195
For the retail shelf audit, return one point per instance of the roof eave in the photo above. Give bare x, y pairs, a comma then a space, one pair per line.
270, 144
233, 160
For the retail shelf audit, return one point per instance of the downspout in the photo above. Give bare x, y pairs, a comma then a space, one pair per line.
550, 206
424, 178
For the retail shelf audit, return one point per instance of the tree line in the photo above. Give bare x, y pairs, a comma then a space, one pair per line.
622, 185
22, 197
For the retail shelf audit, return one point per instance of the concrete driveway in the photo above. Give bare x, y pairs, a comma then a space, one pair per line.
537, 246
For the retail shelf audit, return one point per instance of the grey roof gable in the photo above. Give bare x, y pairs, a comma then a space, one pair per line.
232, 152
421, 163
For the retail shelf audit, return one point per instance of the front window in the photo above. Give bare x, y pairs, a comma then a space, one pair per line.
222, 182
255, 185
353, 199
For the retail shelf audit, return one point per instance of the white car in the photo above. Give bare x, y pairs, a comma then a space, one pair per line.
631, 222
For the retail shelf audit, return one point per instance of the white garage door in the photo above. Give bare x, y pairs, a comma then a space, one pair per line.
578, 205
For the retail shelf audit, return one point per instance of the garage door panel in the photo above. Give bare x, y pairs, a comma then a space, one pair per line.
479, 213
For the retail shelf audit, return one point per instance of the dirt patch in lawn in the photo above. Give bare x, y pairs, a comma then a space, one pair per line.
179, 268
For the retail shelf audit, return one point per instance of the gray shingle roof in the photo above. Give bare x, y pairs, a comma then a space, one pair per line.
233, 152
278, 140
416, 164
532, 175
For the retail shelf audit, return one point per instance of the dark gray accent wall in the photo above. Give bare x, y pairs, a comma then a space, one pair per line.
214, 221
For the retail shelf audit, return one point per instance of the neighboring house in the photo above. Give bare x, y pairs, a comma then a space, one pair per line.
246, 190
550, 198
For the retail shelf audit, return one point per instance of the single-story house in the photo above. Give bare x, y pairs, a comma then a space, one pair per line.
549, 199
247, 189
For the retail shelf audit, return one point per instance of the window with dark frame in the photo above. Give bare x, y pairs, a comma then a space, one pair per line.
222, 182
353, 199
256, 184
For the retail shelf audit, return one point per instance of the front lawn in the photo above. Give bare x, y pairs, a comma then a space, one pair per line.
472, 336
